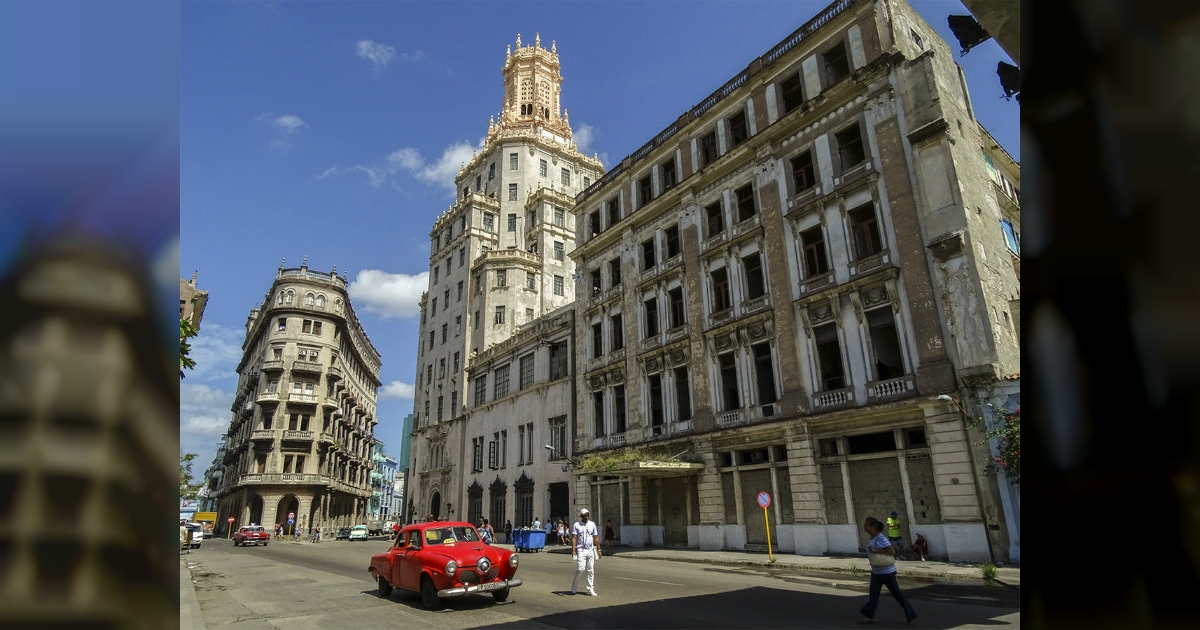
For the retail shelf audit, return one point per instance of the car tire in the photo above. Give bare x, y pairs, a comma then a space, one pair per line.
429, 596
385, 589
264, 544
237, 544
500, 596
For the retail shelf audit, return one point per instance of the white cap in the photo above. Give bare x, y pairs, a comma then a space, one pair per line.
583, 511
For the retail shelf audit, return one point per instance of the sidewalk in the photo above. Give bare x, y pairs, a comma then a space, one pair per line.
821, 566
189, 606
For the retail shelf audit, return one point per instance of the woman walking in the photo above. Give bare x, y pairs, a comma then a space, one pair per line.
882, 556
562, 532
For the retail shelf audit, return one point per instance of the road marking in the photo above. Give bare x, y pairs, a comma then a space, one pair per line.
649, 581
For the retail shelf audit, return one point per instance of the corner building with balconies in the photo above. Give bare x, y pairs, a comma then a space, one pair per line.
781, 284
302, 435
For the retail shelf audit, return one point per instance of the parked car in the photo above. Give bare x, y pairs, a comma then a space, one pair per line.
197, 532
251, 535
444, 559
343, 533
359, 532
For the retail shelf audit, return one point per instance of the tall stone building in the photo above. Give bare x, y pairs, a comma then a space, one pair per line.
500, 259
800, 286
302, 434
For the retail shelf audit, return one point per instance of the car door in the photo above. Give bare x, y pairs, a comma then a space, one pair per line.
407, 561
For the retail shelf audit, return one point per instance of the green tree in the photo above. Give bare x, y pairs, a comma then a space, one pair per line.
186, 331
186, 489
1008, 431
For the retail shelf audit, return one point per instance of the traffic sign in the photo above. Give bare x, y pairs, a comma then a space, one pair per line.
291, 521
764, 499
230, 519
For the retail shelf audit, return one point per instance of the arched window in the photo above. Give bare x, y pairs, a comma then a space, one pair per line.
310, 299
320, 300
287, 297
279, 298
337, 305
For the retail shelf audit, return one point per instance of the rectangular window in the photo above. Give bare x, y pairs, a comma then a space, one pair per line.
512, 218
651, 310
489, 222
598, 413
558, 360
708, 148
436, 271
503, 449
501, 277
560, 219
738, 131
793, 93
730, 398
445, 329
614, 272
745, 202
453, 403
449, 265
476, 320
813, 243
565, 177
613, 208
478, 184
526, 367
480, 389
764, 373
864, 232
648, 257
720, 284
542, 168
429, 374
672, 234
456, 362
1012, 238
477, 454
594, 222
462, 255
558, 436
491, 171
829, 357
803, 175
656, 400
678, 314
441, 408
683, 398
618, 332
885, 344
850, 147
306, 326
559, 249
433, 312
512, 161
558, 285
755, 282
619, 409
596, 288
281, 324
587, 181
501, 385
668, 174
837, 65
645, 191
528, 314
597, 340
499, 319
716, 218
531, 281
460, 290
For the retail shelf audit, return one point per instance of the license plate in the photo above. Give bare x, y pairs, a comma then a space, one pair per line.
492, 586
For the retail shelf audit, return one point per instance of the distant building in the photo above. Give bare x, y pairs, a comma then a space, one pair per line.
302, 435
191, 301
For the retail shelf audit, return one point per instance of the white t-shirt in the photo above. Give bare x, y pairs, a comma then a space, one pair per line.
583, 533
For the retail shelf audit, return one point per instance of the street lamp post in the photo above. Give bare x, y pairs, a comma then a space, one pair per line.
570, 465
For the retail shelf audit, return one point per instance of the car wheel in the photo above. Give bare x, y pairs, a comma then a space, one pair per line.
264, 544
500, 596
385, 589
429, 596
237, 544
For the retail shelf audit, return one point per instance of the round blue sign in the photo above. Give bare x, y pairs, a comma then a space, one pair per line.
291, 521
764, 499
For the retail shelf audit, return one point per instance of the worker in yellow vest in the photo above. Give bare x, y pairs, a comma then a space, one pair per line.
893, 531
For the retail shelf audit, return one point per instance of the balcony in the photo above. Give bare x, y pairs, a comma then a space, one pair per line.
292, 434
891, 389
754, 305
833, 399
729, 418
326, 438
275, 365
262, 434
309, 367
254, 479
329, 403
302, 399
333, 373
816, 283
268, 398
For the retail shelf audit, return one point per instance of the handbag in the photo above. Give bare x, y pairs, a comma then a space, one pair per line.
881, 559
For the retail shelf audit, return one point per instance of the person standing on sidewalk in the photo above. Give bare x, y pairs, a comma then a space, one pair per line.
585, 549
883, 573
893, 532
609, 535
185, 538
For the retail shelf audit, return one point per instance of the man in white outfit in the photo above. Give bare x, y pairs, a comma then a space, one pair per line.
585, 549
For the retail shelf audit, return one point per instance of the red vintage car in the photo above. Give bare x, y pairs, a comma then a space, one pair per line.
443, 559
251, 535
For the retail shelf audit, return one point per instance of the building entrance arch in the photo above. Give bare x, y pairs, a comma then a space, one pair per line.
289, 504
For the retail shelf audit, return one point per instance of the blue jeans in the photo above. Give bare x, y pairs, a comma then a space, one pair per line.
878, 581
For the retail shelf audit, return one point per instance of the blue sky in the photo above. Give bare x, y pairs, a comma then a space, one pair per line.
333, 130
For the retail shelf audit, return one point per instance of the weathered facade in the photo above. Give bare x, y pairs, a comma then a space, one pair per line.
302, 435
500, 260
781, 284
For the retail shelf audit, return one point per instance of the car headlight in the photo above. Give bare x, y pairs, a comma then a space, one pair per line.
512, 561
451, 567
483, 566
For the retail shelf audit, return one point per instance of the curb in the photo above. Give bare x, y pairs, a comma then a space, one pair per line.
190, 616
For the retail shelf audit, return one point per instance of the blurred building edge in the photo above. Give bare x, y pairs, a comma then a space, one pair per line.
88, 431
191, 301
1002, 20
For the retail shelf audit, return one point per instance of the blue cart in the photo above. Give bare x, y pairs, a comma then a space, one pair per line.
529, 539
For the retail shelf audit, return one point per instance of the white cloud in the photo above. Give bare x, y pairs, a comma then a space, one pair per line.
166, 265
584, 135
217, 351
376, 53
397, 389
388, 294
289, 123
408, 160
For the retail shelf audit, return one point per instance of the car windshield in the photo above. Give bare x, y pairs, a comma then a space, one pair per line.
447, 535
